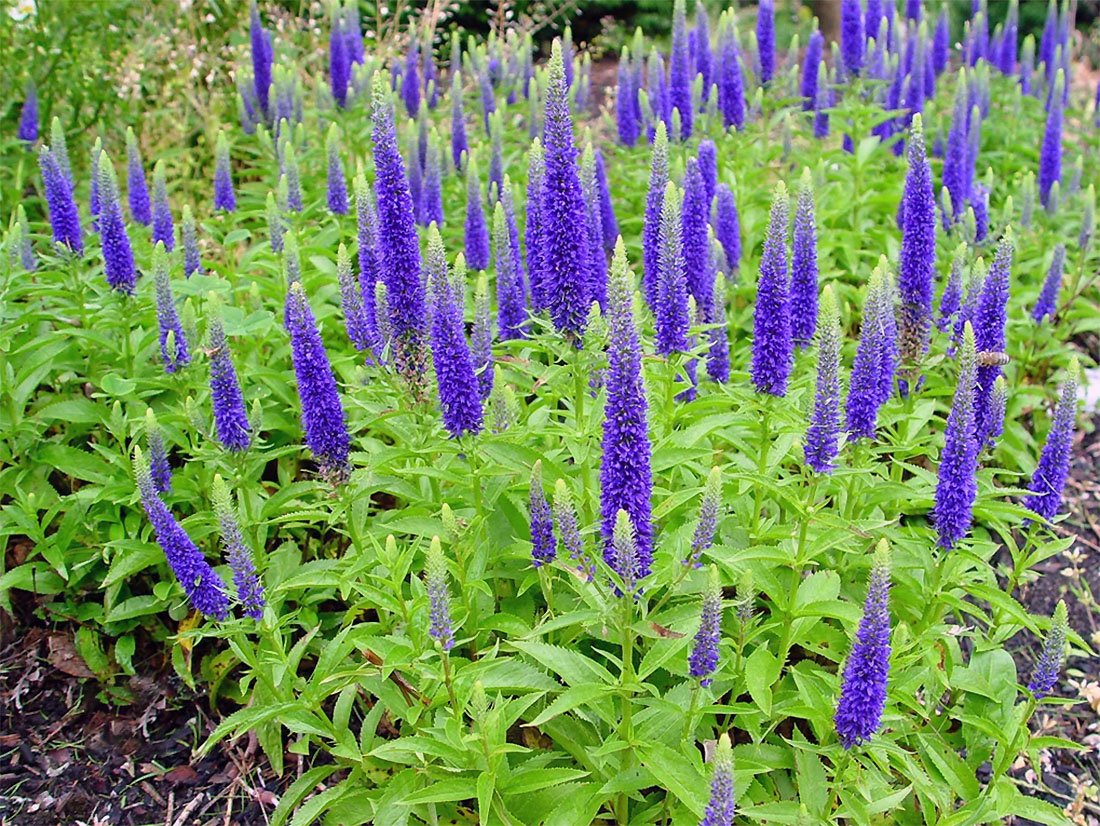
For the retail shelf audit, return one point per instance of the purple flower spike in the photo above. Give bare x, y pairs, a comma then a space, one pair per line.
564, 249
593, 226
64, 217
1045, 677
481, 337
772, 348
337, 185
410, 83
351, 301
1050, 156
477, 232
727, 226
609, 222
721, 808
803, 300
230, 417
246, 582
439, 596
956, 486
532, 231
718, 356
863, 691
703, 659
865, 395
136, 189
990, 318
671, 309
626, 103
431, 196
163, 228
459, 395
708, 166
680, 72
1053, 470
28, 116
651, 226
543, 545
118, 256
951, 299
262, 57
174, 352
917, 262
322, 414
224, 197
824, 430
811, 67
511, 300
625, 477
339, 62
731, 90
765, 38
707, 522
203, 587
565, 516
852, 38
159, 468
458, 121
398, 244
695, 235
1047, 305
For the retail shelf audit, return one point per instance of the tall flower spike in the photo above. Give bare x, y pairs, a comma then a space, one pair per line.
439, 596
458, 120
459, 396
917, 261
477, 233
337, 189
481, 336
956, 485
863, 691
625, 560
174, 351
276, 224
532, 231
192, 260
230, 416
431, 196
543, 545
771, 338
163, 228
59, 149
721, 808
671, 309
339, 61
511, 302
811, 64
565, 517
1047, 305
608, 221
351, 301
496, 154
322, 414
703, 659
28, 116
1050, 156
718, 356
410, 83
137, 190
1050, 476
651, 225
707, 522
593, 227
863, 393
765, 38
250, 591
727, 225
564, 249
159, 469
803, 300
852, 38
203, 587
1045, 677
118, 256
367, 239
625, 103
292, 177
824, 430
64, 217
680, 73
995, 412
625, 477
262, 57
731, 90
694, 222
951, 299
224, 197
398, 244
990, 319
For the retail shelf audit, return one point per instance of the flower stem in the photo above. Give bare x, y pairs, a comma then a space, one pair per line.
626, 725
448, 679
762, 462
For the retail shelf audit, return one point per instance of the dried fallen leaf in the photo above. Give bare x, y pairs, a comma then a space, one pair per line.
62, 656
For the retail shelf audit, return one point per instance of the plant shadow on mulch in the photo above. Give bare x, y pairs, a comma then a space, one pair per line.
69, 757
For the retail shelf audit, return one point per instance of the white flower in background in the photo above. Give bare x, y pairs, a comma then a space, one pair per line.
185, 5
22, 10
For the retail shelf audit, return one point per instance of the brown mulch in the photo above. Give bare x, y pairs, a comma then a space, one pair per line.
67, 757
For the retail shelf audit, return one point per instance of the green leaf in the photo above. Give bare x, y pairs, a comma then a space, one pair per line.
677, 774
761, 672
570, 699
525, 781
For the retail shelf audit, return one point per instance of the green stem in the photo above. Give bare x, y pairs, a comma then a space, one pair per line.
546, 580
670, 393
834, 792
626, 724
449, 680
689, 728
762, 462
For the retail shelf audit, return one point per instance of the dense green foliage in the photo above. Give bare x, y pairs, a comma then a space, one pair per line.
560, 703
